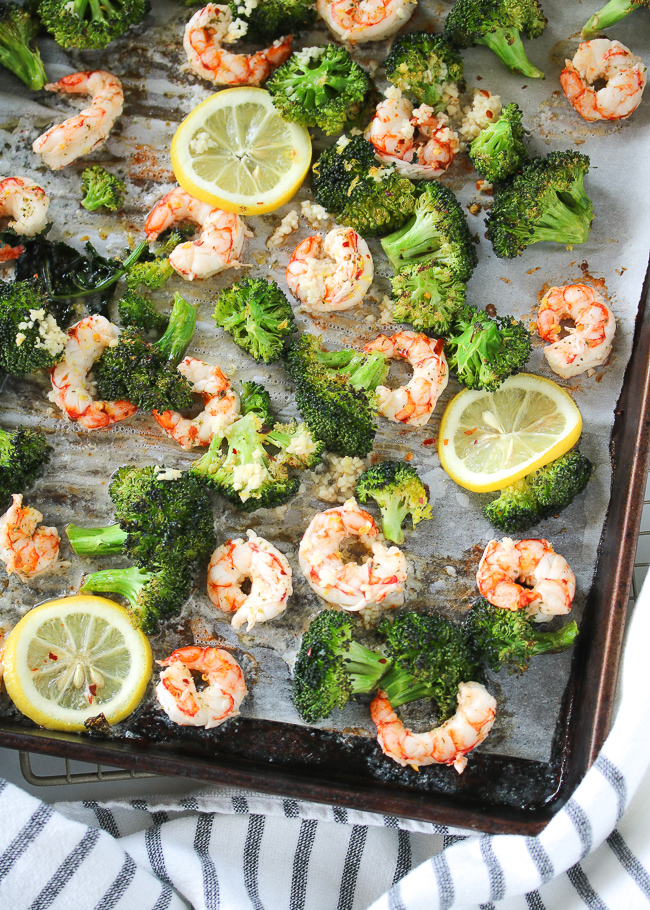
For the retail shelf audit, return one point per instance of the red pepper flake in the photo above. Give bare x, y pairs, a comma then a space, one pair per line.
53, 656
485, 93
445, 442
471, 432
408, 456
489, 114
431, 441
93, 690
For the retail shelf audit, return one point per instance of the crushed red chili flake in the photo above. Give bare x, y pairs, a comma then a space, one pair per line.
445, 442
491, 310
470, 432
93, 689
408, 456
431, 441
53, 656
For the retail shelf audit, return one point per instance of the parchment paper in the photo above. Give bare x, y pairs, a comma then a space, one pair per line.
158, 94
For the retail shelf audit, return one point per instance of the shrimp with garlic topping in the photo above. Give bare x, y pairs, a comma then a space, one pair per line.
330, 274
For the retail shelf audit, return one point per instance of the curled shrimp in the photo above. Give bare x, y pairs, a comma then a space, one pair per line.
67, 141
365, 20
447, 744
414, 402
221, 406
25, 547
207, 30
269, 574
218, 701
72, 390
379, 580
420, 143
26, 202
588, 344
551, 585
331, 274
220, 241
602, 60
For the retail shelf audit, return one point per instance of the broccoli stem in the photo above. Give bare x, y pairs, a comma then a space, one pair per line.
179, 331
126, 582
21, 60
96, 541
415, 242
506, 43
366, 668
401, 688
563, 221
554, 642
394, 510
609, 15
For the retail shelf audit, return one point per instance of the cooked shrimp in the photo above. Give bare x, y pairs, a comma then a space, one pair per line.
365, 20
447, 744
67, 141
331, 274
551, 585
589, 343
221, 406
420, 143
414, 402
220, 241
220, 699
602, 60
381, 578
26, 202
269, 574
72, 390
207, 30
26, 548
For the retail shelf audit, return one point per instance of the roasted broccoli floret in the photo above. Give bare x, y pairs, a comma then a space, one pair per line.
246, 474
298, 446
506, 638
254, 397
145, 373
90, 23
153, 269
152, 594
334, 393
319, 86
427, 296
498, 24
499, 150
545, 202
30, 337
257, 315
138, 312
421, 64
541, 494
483, 351
610, 14
160, 521
18, 53
23, 456
398, 491
102, 189
430, 658
437, 233
271, 19
331, 667
371, 198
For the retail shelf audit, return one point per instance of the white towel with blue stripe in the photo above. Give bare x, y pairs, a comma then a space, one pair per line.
223, 849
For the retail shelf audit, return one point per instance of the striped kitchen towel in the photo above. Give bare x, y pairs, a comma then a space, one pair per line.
234, 850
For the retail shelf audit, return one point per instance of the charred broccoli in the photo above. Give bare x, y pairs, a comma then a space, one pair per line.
610, 14
421, 64
499, 151
437, 233
297, 444
271, 19
398, 491
23, 456
331, 667
348, 181
428, 297
334, 393
430, 658
30, 337
90, 23
319, 86
145, 373
138, 312
506, 638
18, 54
483, 351
102, 189
153, 269
257, 315
541, 494
498, 24
152, 594
254, 397
545, 202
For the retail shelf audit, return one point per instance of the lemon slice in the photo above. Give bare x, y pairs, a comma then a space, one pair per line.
74, 658
236, 152
490, 439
